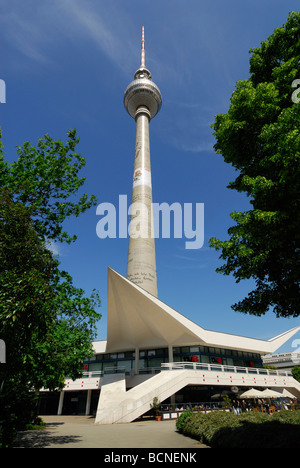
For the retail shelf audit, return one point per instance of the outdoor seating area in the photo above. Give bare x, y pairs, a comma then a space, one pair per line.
174, 411
267, 401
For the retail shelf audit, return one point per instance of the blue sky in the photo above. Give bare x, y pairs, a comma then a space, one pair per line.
66, 64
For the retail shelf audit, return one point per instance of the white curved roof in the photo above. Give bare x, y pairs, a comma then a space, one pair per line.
136, 319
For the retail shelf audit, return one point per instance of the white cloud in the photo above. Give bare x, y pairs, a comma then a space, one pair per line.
36, 29
25, 32
100, 23
53, 247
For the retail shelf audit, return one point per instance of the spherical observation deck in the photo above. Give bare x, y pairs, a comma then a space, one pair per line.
142, 92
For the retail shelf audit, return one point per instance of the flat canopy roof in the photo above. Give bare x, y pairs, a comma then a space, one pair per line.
138, 320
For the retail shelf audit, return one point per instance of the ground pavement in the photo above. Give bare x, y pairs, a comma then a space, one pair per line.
81, 432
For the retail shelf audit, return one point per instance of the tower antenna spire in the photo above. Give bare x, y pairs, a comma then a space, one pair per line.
143, 49
142, 100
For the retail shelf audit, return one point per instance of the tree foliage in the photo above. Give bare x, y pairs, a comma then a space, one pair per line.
296, 373
45, 178
47, 322
260, 137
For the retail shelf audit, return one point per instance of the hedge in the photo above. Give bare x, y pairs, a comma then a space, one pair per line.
221, 429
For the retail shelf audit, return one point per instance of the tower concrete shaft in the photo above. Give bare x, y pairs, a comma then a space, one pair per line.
142, 100
141, 264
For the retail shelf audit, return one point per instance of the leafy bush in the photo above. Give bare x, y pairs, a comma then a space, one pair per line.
182, 419
249, 430
36, 425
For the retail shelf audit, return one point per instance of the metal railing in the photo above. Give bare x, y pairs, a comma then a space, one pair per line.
189, 366
198, 406
223, 368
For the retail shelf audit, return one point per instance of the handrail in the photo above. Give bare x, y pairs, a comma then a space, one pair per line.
92, 374
198, 366
223, 368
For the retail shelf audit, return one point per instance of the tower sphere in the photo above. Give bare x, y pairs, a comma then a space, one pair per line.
142, 92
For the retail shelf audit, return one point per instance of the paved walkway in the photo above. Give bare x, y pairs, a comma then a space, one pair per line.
81, 432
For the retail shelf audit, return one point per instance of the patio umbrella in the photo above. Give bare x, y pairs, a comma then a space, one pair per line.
267, 393
252, 393
217, 396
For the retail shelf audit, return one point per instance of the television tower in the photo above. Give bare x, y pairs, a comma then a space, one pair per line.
142, 100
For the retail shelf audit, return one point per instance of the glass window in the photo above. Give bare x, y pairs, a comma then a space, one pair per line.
151, 352
215, 360
161, 352
238, 362
155, 362
250, 364
95, 367
177, 359
107, 365
204, 358
142, 363
126, 365
195, 358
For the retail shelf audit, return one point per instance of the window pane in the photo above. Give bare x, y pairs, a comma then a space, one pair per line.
95, 367
155, 362
205, 359
126, 365
143, 363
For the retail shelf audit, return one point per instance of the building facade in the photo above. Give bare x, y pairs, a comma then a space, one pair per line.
154, 351
282, 360
151, 349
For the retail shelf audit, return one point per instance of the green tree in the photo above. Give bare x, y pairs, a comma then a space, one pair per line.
296, 373
45, 178
260, 137
46, 322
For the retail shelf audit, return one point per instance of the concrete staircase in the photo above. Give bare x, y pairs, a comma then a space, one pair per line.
116, 405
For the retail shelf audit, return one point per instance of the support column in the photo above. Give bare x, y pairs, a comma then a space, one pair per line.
137, 361
171, 353
88, 402
61, 402
171, 360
